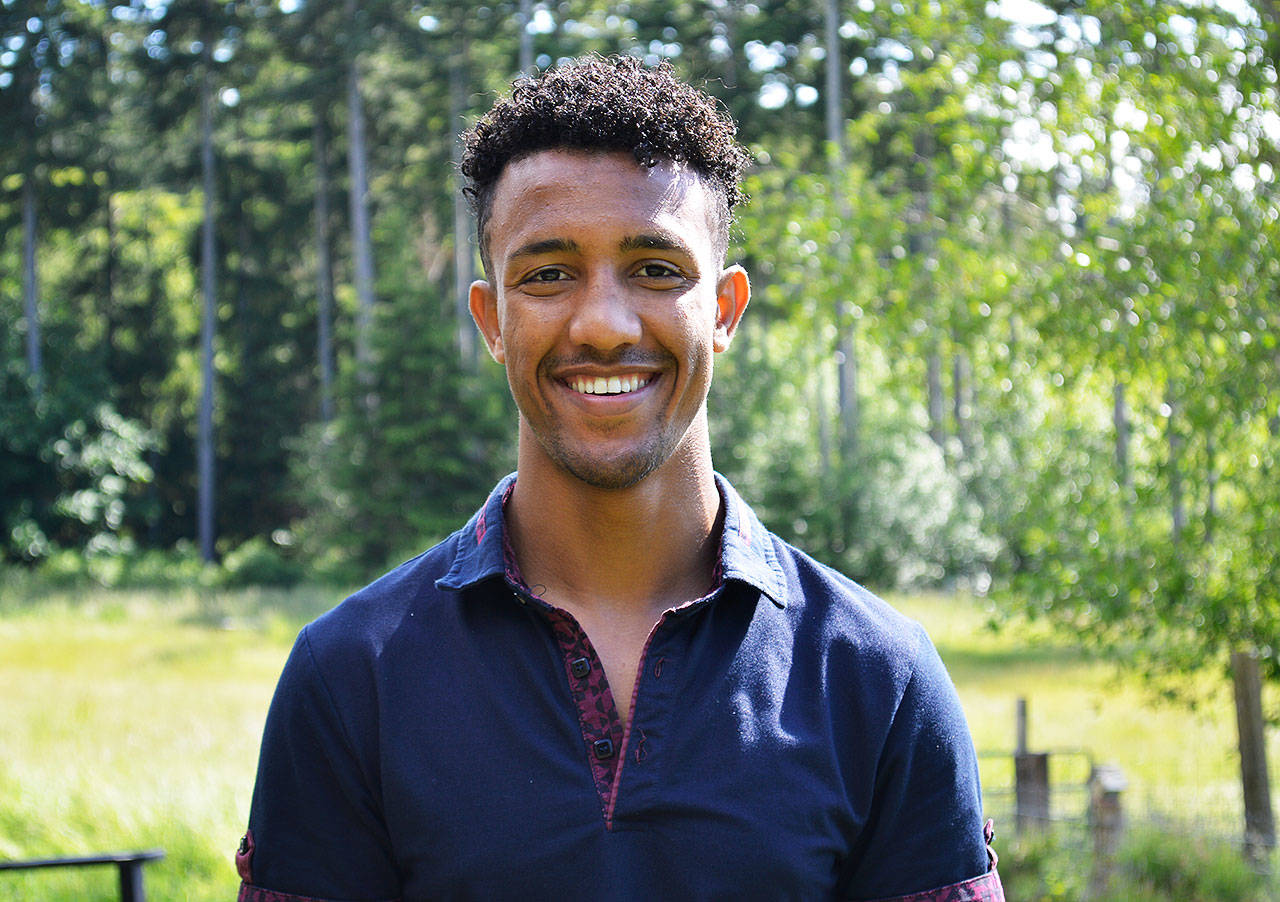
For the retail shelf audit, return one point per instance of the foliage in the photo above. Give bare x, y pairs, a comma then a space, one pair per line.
1014, 318
1156, 866
1161, 329
262, 562
96, 471
1150, 865
413, 456
186, 673
1044, 867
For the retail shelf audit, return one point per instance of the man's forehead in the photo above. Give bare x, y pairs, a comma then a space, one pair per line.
543, 184
556, 165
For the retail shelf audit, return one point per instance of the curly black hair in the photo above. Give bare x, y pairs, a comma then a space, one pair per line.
606, 104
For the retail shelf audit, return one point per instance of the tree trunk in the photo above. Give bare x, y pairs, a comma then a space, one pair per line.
208, 323
727, 17
1120, 417
1259, 824
835, 122
921, 246
1211, 479
959, 392
1177, 513
30, 288
824, 422
847, 373
846, 338
937, 403
526, 37
463, 255
324, 265
361, 240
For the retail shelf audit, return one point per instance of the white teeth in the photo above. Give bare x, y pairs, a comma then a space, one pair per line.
613, 385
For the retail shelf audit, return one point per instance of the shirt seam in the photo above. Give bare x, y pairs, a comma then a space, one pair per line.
626, 732
374, 787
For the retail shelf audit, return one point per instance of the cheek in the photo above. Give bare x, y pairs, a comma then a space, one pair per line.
521, 333
695, 349
696, 326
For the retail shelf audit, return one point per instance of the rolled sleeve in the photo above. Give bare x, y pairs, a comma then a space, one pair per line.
986, 888
926, 827
316, 829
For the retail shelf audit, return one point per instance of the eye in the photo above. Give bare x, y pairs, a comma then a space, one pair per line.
548, 274
656, 270
546, 280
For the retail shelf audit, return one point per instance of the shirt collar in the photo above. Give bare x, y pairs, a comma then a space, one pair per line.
746, 548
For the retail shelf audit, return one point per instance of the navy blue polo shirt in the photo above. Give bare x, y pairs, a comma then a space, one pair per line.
445, 734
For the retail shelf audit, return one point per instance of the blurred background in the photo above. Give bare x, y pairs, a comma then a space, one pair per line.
1014, 343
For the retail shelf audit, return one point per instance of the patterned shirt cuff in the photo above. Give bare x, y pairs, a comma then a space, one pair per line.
985, 888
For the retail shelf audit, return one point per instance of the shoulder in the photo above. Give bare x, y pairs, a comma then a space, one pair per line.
366, 621
811, 595
848, 613
872, 661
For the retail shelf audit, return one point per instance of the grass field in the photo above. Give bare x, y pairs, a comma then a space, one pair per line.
131, 719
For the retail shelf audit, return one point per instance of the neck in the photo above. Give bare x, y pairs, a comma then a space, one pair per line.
636, 550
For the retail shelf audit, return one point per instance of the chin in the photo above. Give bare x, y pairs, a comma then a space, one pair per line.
610, 473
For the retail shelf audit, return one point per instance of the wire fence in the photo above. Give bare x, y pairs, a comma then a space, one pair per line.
1209, 813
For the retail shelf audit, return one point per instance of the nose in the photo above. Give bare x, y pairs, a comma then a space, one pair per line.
604, 316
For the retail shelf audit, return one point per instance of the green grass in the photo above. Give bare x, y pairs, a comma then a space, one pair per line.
131, 719
1181, 764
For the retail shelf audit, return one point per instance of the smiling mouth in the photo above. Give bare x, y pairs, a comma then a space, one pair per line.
611, 385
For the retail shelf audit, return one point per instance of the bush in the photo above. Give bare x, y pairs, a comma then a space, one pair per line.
1155, 865
259, 562
1048, 867
1151, 866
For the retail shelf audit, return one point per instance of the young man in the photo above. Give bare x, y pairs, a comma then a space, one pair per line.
614, 682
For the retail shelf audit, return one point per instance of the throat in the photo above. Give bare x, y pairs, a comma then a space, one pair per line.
619, 644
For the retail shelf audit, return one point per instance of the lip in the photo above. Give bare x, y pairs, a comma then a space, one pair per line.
622, 382
606, 404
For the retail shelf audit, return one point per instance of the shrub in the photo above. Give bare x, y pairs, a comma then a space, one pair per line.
259, 562
1151, 866
1155, 865
1044, 867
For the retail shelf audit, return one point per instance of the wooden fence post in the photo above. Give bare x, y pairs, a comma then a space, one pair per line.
1031, 780
1259, 822
1106, 821
1031, 788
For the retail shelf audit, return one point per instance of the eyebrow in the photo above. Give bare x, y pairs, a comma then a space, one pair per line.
645, 242
547, 246
653, 243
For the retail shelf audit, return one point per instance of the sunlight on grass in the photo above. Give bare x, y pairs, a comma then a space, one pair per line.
132, 720
1181, 764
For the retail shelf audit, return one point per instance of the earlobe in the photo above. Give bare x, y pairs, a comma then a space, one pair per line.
733, 294
483, 301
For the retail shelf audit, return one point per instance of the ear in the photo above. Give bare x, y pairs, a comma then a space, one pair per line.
732, 294
483, 301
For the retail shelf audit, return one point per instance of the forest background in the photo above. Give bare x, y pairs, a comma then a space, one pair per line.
1015, 324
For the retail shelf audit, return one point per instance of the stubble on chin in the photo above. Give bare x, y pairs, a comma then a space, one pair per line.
610, 475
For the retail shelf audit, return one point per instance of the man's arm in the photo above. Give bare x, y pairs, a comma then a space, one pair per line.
924, 839
315, 827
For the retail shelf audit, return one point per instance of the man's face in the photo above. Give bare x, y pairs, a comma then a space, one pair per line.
606, 305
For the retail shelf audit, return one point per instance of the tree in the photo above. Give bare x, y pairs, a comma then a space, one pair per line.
1165, 279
